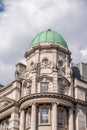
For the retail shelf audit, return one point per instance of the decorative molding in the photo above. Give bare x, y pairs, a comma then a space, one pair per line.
44, 77
7, 103
47, 95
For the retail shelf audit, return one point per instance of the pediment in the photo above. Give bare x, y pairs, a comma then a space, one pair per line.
5, 102
45, 78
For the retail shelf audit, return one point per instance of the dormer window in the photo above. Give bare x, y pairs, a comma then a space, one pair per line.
45, 61
43, 87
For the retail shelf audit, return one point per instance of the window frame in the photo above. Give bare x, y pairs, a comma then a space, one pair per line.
42, 90
4, 123
62, 119
62, 88
86, 96
29, 117
48, 116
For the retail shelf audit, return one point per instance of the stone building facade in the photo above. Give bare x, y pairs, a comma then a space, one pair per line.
45, 94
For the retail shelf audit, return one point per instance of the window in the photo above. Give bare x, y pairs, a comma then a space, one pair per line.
86, 97
86, 120
28, 90
4, 123
62, 119
45, 61
62, 89
44, 87
28, 118
44, 115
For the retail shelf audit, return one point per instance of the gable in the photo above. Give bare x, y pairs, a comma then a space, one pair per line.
5, 103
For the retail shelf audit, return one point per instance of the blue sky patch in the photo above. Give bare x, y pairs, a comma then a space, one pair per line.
2, 8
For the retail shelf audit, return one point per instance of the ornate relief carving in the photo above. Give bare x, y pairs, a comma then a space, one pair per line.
45, 78
26, 74
4, 102
68, 72
26, 83
34, 67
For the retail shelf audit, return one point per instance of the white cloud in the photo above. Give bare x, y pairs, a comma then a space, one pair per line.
84, 53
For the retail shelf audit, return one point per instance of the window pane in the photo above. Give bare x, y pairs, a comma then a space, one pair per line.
44, 115
44, 87
61, 117
61, 89
86, 97
45, 61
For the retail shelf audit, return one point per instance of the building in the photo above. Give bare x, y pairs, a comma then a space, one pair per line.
46, 93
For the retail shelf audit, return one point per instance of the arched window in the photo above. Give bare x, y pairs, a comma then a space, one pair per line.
45, 61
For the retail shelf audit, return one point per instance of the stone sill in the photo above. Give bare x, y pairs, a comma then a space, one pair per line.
45, 124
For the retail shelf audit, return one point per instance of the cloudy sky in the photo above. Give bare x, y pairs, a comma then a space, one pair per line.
21, 20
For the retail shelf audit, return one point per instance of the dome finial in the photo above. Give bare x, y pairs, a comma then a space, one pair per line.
48, 29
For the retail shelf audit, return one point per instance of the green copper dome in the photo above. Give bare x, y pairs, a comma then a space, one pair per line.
48, 36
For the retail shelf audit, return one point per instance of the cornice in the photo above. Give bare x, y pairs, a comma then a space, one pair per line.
47, 95
80, 102
47, 46
9, 107
8, 86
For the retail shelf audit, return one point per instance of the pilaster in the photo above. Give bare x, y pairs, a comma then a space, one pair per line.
22, 120
71, 119
54, 116
33, 117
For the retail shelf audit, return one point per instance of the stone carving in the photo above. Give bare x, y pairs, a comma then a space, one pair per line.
5, 102
68, 72
26, 74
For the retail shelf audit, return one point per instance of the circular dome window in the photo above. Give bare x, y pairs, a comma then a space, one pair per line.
45, 61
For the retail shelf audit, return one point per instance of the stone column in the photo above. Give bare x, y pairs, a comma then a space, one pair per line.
33, 117
22, 120
54, 116
71, 121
